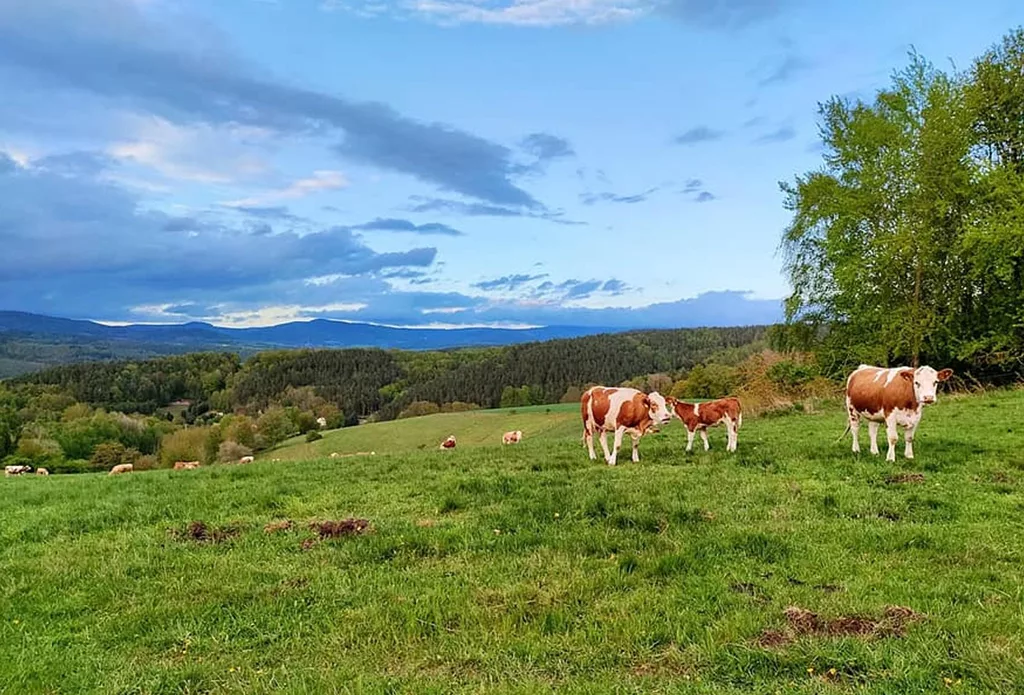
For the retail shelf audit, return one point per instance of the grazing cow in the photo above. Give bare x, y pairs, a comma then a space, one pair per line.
121, 468
246, 459
620, 410
42, 471
894, 396
448, 443
16, 470
185, 465
698, 417
512, 437
321, 422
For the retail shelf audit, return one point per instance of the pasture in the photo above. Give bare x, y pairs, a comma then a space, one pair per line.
529, 568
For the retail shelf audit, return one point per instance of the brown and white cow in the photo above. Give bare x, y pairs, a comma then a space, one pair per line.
185, 465
448, 443
620, 410
894, 396
16, 470
246, 459
121, 468
42, 471
512, 437
698, 417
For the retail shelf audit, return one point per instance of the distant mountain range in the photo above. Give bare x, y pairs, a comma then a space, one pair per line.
30, 341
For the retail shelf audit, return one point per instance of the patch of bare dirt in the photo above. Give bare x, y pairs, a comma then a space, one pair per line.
801, 622
200, 532
278, 526
338, 529
904, 478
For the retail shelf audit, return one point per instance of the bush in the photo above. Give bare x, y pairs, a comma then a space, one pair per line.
274, 426
419, 408
110, 454
232, 451
313, 436
148, 462
459, 407
184, 445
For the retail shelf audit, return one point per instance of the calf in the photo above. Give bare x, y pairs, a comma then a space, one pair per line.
698, 417
121, 468
620, 410
512, 437
16, 470
894, 396
448, 443
246, 459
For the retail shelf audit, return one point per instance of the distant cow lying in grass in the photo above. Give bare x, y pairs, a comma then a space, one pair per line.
246, 459
16, 470
448, 443
121, 468
185, 465
698, 417
512, 437
42, 471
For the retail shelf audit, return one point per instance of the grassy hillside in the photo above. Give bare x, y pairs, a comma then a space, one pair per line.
472, 429
530, 569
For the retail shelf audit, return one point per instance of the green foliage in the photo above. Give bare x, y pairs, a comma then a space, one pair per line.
708, 381
274, 426
313, 436
188, 444
109, 454
907, 246
231, 452
419, 408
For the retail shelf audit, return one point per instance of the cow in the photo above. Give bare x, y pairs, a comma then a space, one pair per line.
121, 468
448, 443
698, 417
620, 410
894, 396
246, 459
512, 437
42, 471
321, 422
185, 465
16, 470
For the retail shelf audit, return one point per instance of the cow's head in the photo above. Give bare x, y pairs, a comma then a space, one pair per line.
657, 407
925, 381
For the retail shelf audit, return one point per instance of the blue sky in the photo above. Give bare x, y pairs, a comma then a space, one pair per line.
594, 162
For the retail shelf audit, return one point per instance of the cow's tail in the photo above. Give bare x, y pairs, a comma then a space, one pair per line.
739, 420
845, 432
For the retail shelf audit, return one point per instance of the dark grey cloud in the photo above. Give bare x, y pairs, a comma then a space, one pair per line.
507, 282
77, 243
458, 207
579, 289
723, 14
785, 70
398, 225
271, 212
704, 197
109, 48
692, 185
698, 134
546, 147
606, 197
782, 134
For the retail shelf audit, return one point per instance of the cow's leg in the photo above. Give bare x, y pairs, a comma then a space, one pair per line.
604, 444
873, 435
704, 436
892, 436
908, 435
855, 430
689, 439
636, 446
730, 428
588, 436
616, 445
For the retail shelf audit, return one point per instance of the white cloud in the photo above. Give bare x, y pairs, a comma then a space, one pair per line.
536, 13
321, 180
264, 316
200, 153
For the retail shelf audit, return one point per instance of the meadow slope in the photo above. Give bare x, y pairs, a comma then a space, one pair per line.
531, 569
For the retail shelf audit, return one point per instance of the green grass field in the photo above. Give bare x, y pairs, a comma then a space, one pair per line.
531, 569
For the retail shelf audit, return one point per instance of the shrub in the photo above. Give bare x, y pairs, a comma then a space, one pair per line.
148, 462
110, 454
313, 436
419, 408
184, 445
232, 451
274, 426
